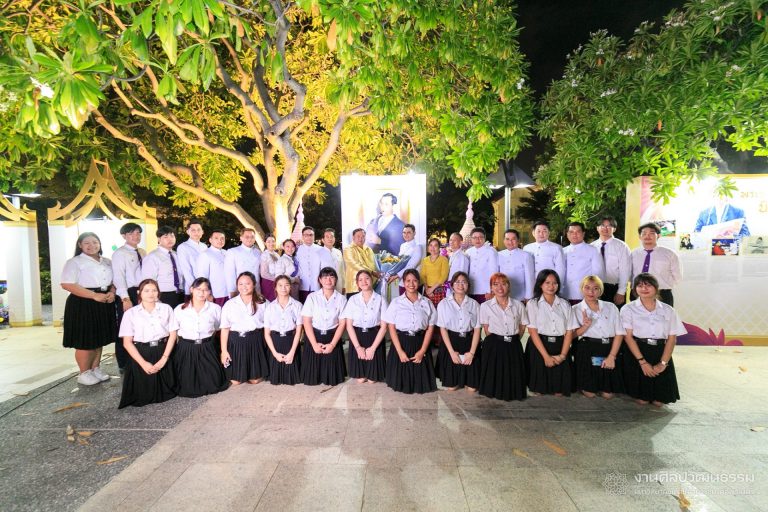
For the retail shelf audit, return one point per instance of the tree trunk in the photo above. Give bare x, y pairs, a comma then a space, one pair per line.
279, 219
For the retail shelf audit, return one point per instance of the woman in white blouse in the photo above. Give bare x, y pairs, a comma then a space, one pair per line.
198, 369
322, 361
90, 317
282, 332
148, 340
458, 359
599, 332
266, 266
502, 367
549, 327
286, 266
243, 352
411, 318
652, 329
366, 329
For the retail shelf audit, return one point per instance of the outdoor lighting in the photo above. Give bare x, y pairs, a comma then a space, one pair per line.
509, 176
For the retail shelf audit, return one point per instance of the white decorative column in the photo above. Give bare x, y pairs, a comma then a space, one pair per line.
296, 233
22, 270
469, 225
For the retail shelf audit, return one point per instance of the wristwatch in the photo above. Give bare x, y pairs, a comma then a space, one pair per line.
663, 363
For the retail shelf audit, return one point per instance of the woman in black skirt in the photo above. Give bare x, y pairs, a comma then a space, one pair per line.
411, 318
322, 361
652, 330
148, 340
198, 369
282, 332
502, 367
366, 329
90, 316
549, 327
458, 359
243, 352
598, 329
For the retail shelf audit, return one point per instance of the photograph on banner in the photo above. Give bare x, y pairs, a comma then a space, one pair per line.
382, 206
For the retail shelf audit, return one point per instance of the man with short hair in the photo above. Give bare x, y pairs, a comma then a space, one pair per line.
210, 265
457, 259
310, 258
411, 248
517, 265
546, 254
162, 266
244, 257
189, 251
385, 231
126, 268
616, 259
483, 263
663, 263
357, 257
329, 239
581, 260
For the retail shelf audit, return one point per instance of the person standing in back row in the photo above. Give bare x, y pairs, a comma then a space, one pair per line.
616, 259
659, 261
581, 260
517, 265
126, 273
189, 251
246, 257
546, 254
161, 265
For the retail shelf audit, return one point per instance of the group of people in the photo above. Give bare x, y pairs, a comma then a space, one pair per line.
199, 319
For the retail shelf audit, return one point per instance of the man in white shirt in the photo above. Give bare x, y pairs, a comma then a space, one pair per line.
411, 248
162, 266
126, 268
615, 255
310, 258
581, 260
517, 265
244, 257
210, 264
483, 263
329, 238
546, 254
189, 251
458, 261
663, 263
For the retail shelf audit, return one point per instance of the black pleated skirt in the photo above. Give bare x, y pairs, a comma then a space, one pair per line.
375, 369
88, 324
249, 360
453, 375
662, 388
502, 369
139, 388
589, 375
282, 373
410, 377
198, 369
329, 369
547, 381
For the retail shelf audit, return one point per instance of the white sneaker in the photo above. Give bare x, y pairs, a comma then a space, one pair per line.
103, 377
87, 378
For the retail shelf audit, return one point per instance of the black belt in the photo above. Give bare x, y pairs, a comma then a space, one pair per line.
509, 338
198, 341
550, 339
651, 341
604, 341
284, 334
243, 334
324, 332
102, 289
460, 334
410, 333
152, 343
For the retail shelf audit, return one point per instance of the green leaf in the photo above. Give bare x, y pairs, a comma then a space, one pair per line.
215, 8
144, 20
200, 16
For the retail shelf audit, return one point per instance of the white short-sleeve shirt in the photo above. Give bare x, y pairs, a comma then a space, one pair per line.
239, 316
283, 319
193, 325
88, 272
457, 317
504, 322
605, 321
363, 314
411, 316
146, 326
656, 324
325, 313
549, 320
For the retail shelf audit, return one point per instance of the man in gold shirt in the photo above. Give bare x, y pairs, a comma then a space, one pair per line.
357, 257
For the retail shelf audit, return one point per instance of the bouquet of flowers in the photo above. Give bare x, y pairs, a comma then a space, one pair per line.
388, 265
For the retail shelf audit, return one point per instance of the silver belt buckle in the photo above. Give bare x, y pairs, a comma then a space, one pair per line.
104, 288
652, 342
508, 339
154, 343
282, 334
606, 340
551, 339
323, 332
198, 341
462, 334
242, 334
411, 333
363, 329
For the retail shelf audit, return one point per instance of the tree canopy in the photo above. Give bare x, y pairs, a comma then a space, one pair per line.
657, 105
204, 94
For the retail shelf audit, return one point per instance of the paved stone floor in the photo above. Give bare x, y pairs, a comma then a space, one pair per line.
363, 447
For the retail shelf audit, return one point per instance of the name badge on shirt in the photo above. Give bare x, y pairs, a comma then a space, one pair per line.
551, 339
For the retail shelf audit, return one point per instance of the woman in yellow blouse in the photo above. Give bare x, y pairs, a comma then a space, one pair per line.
434, 272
